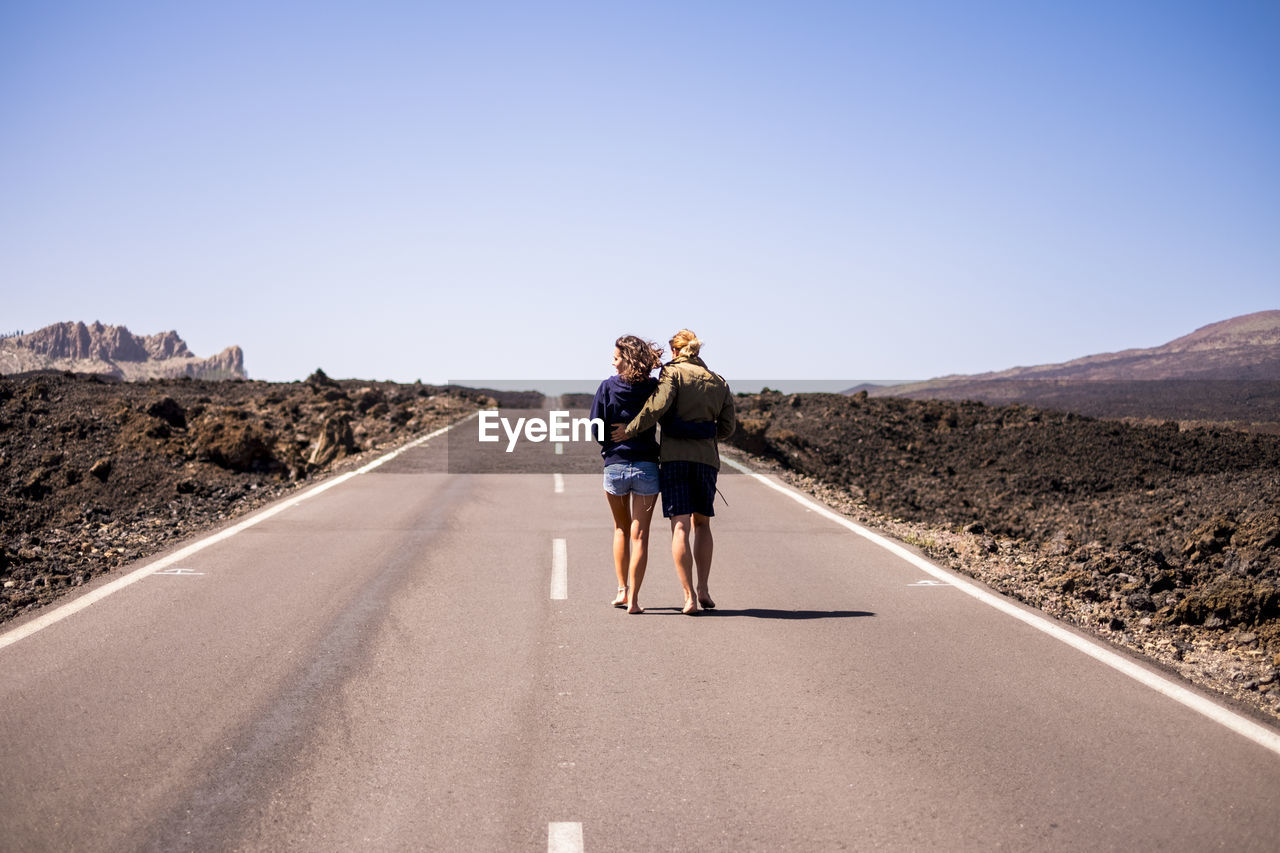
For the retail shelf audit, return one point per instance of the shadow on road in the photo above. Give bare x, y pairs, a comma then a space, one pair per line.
765, 613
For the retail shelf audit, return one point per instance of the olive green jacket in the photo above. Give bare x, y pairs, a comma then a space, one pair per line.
690, 392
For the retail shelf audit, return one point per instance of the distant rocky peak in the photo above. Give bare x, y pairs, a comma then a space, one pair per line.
228, 364
95, 341
115, 351
166, 345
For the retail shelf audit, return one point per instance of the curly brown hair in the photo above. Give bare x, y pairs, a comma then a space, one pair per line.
639, 357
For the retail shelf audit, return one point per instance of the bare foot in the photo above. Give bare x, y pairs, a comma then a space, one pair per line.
621, 600
690, 608
634, 608
705, 602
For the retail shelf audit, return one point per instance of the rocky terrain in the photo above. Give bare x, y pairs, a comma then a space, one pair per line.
114, 352
98, 473
1162, 540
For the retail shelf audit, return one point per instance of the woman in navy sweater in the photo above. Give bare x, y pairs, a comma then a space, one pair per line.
630, 466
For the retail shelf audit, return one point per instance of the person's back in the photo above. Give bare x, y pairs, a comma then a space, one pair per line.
699, 415
631, 475
618, 400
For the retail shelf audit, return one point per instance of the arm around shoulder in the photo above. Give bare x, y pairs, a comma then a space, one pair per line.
656, 406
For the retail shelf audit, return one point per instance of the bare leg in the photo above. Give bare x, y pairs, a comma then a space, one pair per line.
682, 556
620, 506
703, 546
641, 511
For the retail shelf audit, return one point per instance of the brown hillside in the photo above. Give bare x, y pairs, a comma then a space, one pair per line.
1225, 373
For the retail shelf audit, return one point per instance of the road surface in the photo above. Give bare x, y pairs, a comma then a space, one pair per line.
383, 666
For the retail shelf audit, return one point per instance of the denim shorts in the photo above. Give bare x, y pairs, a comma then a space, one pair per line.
624, 478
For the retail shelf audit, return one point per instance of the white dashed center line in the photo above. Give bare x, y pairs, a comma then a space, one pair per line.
564, 838
559, 569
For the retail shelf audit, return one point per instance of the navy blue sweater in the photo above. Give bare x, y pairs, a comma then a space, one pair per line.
617, 402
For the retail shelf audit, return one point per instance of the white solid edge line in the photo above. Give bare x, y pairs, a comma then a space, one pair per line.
1241, 725
559, 569
564, 837
90, 598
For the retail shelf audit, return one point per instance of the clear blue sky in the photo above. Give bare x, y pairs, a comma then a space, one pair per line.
475, 189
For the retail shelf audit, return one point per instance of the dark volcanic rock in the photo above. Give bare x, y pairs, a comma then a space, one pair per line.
321, 379
168, 410
230, 442
1136, 530
98, 473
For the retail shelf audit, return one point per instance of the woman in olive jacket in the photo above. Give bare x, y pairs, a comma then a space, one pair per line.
695, 409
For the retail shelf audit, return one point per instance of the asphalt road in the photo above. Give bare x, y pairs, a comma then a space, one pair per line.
382, 666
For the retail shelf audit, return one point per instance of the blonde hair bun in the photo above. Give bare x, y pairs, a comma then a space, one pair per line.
685, 343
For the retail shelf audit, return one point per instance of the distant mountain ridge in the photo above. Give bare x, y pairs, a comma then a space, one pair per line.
1246, 347
114, 351
1227, 371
